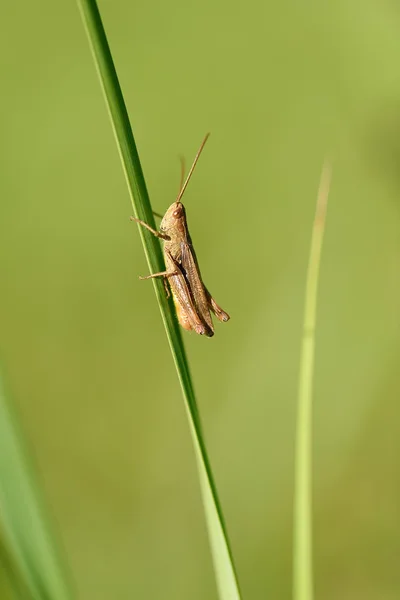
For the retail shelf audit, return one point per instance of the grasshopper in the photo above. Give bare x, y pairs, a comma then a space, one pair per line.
193, 302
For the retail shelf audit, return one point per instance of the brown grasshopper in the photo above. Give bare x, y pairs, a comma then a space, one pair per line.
193, 302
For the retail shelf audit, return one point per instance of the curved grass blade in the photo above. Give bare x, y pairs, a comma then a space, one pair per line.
29, 552
222, 557
302, 518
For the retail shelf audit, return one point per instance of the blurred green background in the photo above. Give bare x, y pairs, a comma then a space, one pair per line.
280, 86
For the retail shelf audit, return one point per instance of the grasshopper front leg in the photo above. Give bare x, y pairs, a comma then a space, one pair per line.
161, 236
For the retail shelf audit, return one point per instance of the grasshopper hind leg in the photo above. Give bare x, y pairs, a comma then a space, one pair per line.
217, 310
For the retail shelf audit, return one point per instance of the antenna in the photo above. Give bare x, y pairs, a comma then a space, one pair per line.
182, 159
196, 158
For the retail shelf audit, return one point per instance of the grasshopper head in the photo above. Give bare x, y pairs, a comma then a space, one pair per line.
174, 219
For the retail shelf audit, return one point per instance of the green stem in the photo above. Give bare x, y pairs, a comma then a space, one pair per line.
221, 552
302, 546
33, 561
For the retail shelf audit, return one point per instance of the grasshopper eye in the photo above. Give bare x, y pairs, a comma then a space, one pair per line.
178, 212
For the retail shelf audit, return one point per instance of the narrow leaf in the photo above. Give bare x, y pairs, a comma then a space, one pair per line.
222, 557
302, 545
28, 552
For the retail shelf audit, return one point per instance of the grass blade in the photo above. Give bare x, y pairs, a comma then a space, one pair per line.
221, 553
29, 553
302, 546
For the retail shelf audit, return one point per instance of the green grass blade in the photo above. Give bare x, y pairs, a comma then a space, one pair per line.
222, 557
302, 546
29, 552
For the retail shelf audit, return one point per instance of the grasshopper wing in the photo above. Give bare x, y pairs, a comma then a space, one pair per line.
196, 285
185, 307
